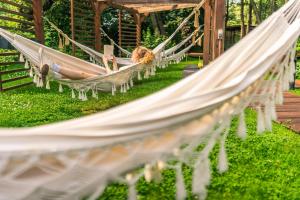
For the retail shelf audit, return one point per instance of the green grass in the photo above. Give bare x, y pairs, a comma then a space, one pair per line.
296, 91
262, 167
30, 106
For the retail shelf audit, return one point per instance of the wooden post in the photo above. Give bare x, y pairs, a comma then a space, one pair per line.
37, 6
138, 29
219, 28
72, 26
120, 31
99, 8
250, 16
97, 23
207, 33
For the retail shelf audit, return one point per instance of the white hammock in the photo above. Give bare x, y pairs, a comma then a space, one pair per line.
73, 159
37, 55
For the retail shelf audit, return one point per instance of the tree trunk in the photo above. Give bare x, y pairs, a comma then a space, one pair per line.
256, 12
250, 15
243, 28
160, 24
154, 22
157, 23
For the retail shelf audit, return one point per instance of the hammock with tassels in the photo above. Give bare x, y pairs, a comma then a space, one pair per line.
37, 55
80, 157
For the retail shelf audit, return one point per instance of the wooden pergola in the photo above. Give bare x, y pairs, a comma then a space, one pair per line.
89, 12
213, 29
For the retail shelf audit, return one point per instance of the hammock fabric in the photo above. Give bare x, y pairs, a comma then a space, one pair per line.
79, 158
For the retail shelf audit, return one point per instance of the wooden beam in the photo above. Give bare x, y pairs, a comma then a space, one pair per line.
138, 18
37, 6
152, 1
219, 28
207, 32
150, 8
97, 22
72, 26
120, 31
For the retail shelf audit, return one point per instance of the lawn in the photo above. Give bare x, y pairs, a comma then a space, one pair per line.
262, 167
296, 91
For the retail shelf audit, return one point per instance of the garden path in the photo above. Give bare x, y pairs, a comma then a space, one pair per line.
289, 113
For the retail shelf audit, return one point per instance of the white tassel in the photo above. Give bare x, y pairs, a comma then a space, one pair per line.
148, 173
223, 163
180, 186
139, 76
131, 83
146, 75
121, 89
67, 41
201, 178
292, 71
94, 94
85, 98
268, 120
113, 90
60, 89
124, 88
38, 82
97, 193
242, 129
273, 111
73, 94
31, 72
152, 71
26, 65
260, 121
80, 95
21, 59
127, 85
279, 97
132, 195
48, 85
35, 78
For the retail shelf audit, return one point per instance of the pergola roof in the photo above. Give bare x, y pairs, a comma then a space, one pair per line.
149, 6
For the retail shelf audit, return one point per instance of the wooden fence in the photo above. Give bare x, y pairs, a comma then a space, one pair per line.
82, 24
24, 18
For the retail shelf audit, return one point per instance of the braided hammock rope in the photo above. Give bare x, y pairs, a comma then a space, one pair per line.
79, 158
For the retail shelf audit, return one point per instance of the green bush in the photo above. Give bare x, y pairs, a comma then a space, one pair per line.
298, 70
298, 45
151, 40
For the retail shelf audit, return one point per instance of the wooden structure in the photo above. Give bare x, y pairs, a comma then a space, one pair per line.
86, 23
83, 21
289, 113
25, 18
130, 29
